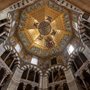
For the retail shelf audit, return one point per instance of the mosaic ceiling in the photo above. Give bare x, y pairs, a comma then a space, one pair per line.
44, 29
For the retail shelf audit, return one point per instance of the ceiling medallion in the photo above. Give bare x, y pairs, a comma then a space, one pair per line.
44, 29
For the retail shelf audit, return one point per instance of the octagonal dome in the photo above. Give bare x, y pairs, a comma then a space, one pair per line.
44, 29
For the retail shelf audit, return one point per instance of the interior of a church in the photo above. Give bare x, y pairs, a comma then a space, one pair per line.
44, 44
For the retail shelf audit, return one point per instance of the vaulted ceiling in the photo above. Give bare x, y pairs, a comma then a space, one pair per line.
43, 28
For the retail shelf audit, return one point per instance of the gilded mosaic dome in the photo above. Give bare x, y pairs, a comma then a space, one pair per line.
44, 29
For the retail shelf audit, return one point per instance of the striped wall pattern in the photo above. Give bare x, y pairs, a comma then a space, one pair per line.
7, 30
68, 5
22, 3
32, 67
14, 53
74, 54
82, 28
55, 67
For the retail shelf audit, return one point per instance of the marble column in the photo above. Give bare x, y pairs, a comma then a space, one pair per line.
45, 82
15, 79
71, 80
41, 82
2, 50
87, 53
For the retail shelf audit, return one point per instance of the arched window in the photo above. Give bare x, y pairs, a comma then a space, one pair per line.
18, 48
86, 23
24, 75
5, 54
57, 76
87, 31
31, 75
86, 27
9, 60
82, 56
2, 29
34, 60
78, 62
70, 49
37, 77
